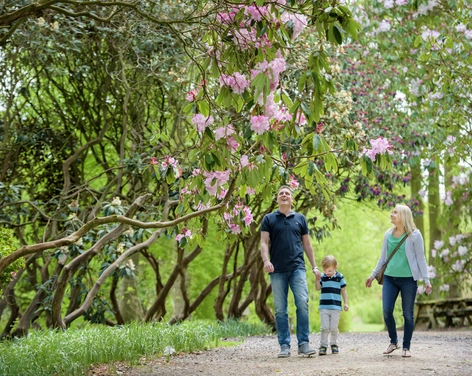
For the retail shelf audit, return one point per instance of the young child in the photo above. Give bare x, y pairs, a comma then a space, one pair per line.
332, 286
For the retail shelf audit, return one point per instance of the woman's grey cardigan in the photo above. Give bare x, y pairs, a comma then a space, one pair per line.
414, 249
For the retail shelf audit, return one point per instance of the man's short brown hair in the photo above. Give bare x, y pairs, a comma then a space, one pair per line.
285, 187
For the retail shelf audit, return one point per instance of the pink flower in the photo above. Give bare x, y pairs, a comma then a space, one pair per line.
179, 237
278, 65
215, 179
237, 82
300, 119
232, 144
192, 95
293, 182
259, 124
256, 12
224, 132
153, 161
235, 229
244, 161
448, 201
202, 122
299, 22
248, 218
222, 194
226, 18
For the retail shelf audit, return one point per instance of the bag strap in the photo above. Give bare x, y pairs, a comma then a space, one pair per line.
396, 248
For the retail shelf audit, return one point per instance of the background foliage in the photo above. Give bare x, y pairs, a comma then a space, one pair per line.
143, 142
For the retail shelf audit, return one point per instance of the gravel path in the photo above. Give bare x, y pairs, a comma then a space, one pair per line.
433, 353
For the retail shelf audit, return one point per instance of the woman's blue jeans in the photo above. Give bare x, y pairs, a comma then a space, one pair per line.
280, 283
407, 287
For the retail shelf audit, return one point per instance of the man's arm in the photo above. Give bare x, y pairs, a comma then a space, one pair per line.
265, 238
310, 253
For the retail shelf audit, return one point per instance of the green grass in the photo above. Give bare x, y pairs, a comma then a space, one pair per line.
71, 352
361, 327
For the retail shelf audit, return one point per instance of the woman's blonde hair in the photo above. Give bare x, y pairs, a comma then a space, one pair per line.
329, 261
407, 218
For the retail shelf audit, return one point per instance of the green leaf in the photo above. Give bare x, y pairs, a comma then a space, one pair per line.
188, 108
242, 190
286, 99
351, 26
302, 82
261, 83
301, 169
417, 41
216, 159
316, 142
204, 108
337, 34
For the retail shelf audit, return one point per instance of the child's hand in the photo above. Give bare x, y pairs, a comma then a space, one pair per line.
318, 277
346, 307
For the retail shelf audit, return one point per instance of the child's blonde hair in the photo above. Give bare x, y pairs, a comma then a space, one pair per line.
329, 261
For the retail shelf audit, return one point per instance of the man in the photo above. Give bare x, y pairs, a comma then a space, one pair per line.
287, 233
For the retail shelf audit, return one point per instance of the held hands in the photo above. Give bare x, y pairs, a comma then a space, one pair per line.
368, 282
268, 267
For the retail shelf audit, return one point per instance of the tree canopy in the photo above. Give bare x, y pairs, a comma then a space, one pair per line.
128, 126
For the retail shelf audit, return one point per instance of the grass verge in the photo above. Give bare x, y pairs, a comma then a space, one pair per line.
72, 352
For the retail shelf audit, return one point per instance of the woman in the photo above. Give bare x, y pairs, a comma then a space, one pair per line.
406, 267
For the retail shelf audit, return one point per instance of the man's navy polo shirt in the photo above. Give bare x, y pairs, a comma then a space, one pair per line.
285, 233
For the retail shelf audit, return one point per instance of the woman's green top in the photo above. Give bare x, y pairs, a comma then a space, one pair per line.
398, 265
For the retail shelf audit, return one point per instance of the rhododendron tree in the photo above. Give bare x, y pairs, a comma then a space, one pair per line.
161, 117
416, 96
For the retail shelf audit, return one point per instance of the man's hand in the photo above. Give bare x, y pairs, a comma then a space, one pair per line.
268, 267
368, 282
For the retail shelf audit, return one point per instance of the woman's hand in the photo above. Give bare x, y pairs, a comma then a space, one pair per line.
368, 282
428, 288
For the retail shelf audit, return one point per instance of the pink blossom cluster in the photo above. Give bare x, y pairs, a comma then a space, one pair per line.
246, 39
379, 146
448, 201
192, 95
430, 34
423, 9
272, 113
273, 69
293, 183
455, 241
246, 36
236, 81
259, 124
461, 28
226, 132
169, 162
215, 179
239, 211
201, 121
389, 4
454, 257
244, 162
185, 233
